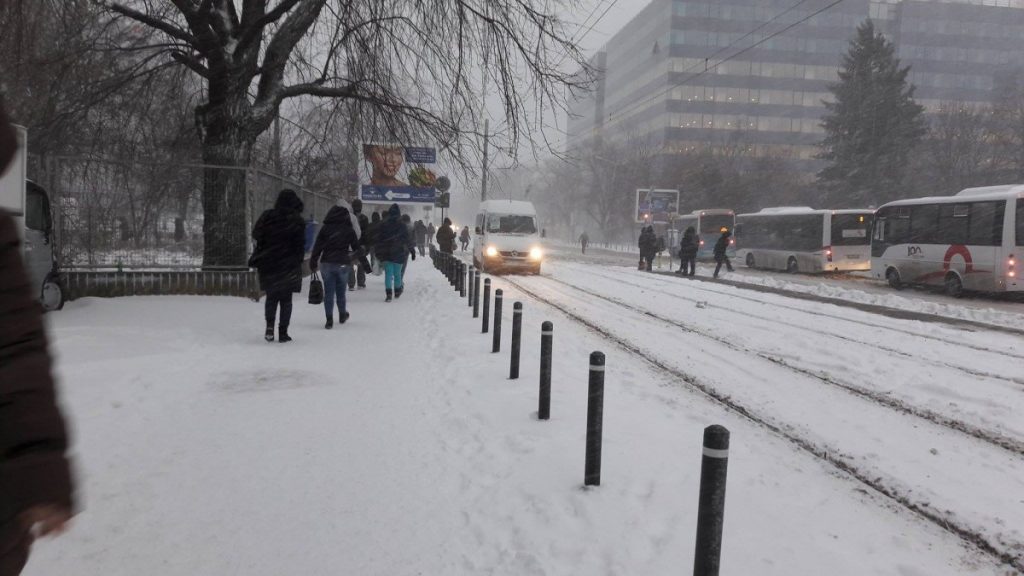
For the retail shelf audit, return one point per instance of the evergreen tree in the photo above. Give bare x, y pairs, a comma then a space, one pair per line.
872, 125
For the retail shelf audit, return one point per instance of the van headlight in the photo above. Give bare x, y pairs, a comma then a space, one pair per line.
491, 252
536, 253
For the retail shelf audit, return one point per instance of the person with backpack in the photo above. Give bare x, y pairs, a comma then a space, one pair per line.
446, 237
720, 252
280, 248
336, 246
464, 238
393, 246
688, 247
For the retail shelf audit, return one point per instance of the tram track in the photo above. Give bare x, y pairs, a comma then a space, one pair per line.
1010, 553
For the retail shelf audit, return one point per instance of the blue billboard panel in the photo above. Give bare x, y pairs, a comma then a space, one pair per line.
397, 194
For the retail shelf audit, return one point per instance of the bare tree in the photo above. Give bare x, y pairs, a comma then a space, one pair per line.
410, 65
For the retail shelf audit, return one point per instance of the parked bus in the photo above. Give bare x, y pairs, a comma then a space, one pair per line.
709, 224
802, 239
970, 241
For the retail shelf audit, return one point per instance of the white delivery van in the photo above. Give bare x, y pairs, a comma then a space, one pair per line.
507, 237
30, 205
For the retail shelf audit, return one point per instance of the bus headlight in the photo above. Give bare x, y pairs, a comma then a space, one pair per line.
536, 253
491, 252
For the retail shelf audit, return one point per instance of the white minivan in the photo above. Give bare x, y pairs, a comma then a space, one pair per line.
507, 237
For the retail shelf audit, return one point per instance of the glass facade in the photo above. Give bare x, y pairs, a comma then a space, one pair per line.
664, 80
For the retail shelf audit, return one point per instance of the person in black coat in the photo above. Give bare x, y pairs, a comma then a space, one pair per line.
648, 246
357, 276
721, 257
419, 234
446, 237
335, 250
280, 248
393, 244
688, 247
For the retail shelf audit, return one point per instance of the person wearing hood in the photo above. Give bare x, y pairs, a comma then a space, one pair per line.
431, 231
720, 252
419, 234
393, 244
446, 237
688, 247
336, 246
280, 248
648, 246
464, 238
357, 277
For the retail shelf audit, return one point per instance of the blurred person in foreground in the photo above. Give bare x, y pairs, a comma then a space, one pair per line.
35, 478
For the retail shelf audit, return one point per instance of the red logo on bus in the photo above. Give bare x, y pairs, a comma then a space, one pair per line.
954, 250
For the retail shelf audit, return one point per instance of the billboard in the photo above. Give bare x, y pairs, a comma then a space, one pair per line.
656, 205
392, 173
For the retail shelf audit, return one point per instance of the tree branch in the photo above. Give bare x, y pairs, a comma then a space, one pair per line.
153, 22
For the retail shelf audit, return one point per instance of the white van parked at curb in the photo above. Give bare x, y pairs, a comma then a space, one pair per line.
507, 237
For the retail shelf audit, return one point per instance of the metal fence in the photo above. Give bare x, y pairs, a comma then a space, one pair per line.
111, 214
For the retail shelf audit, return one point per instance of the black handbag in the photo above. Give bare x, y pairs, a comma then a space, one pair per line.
316, 290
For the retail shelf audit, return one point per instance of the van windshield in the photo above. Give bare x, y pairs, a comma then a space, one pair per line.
511, 224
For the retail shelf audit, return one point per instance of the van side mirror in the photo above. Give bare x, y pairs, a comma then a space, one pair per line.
478, 231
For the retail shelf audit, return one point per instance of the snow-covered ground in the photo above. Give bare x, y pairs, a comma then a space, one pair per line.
396, 445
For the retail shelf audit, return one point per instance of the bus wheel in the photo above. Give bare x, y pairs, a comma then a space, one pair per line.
792, 266
52, 296
954, 286
750, 261
893, 278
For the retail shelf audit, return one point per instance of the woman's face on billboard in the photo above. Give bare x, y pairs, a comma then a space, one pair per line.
386, 161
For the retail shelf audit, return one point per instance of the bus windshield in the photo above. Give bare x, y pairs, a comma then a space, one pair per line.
851, 229
713, 224
511, 224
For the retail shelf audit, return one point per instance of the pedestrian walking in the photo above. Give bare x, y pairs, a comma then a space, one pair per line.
688, 247
357, 278
659, 249
280, 237
584, 240
370, 243
720, 252
431, 231
394, 245
647, 244
335, 250
446, 237
419, 234
36, 496
464, 238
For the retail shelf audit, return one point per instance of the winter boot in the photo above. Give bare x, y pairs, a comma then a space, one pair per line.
330, 323
282, 334
389, 293
343, 317
398, 292
269, 335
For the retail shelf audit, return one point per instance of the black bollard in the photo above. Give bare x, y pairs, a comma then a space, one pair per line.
547, 335
469, 286
517, 334
498, 297
595, 419
487, 306
462, 279
476, 295
711, 507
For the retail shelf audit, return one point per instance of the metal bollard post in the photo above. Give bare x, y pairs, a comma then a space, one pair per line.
711, 507
461, 282
498, 298
595, 420
476, 295
517, 335
469, 286
487, 306
547, 336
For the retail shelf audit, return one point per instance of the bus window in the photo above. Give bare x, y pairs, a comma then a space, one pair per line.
953, 220
37, 210
713, 224
986, 224
850, 229
924, 224
1020, 222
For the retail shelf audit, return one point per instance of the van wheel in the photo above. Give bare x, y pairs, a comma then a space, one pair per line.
892, 276
954, 286
791, 266
52, 294
750, 261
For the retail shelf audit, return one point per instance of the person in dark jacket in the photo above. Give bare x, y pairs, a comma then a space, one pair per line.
584, 240
688, 252
721, 257
36, 495
335, 250
419, 234
370, 240
647, 244
431, 230
357, 277
393, 246
446, 237
279, 234
464, 238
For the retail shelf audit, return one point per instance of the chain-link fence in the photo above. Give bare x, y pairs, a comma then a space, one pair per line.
111, 214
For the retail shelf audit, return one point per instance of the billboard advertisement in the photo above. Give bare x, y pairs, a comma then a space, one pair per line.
392, 173
656, 205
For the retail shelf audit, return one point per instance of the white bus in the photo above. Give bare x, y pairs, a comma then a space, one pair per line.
970, 241
801, 239
709, 225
